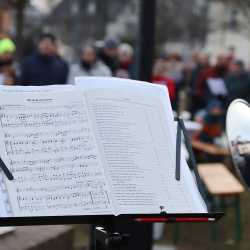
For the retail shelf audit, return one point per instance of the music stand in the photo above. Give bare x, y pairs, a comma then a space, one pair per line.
105, 236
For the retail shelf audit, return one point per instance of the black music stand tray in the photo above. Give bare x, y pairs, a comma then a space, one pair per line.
105, 237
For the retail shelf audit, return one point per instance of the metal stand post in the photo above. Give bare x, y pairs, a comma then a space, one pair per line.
107, 240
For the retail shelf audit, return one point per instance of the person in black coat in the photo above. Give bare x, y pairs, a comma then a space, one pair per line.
45, 66
109, 55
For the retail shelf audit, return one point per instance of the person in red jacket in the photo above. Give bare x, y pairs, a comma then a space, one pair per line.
160, 77
218, 71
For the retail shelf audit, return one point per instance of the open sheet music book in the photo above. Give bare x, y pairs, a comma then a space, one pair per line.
103, 146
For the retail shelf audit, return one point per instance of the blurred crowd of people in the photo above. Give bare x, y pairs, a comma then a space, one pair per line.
46, 66
211, 88
113, 58
208, 87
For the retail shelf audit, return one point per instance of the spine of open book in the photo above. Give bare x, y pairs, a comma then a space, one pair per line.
5, 196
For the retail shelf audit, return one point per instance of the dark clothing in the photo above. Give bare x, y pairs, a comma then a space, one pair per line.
197, 101
212, 128
238, 86
42, 70
194, 76
111, 62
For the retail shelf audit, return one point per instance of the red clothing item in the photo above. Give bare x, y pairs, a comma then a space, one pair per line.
169, 83
201, 81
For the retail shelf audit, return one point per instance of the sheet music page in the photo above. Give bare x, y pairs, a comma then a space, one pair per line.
125, 136
50, 147
135, 128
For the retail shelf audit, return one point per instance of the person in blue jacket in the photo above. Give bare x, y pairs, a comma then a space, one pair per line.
45, 66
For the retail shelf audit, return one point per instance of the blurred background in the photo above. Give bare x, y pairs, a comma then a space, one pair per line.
181, 27
195, 24
198, 49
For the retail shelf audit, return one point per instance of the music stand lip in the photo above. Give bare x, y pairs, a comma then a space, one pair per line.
105, 219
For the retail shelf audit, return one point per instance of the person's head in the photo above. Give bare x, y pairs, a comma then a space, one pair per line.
160, 68
88, 54
88, 57
215, 108
231, 50
195, 57
236, 67
175, 58
221, 60
111, 47
7, 50
204, 59
47, 45
221, 66
125, 53
214, 119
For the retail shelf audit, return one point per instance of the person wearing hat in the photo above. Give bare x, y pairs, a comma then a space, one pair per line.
7, 50
109, 54
126, 61
7, 71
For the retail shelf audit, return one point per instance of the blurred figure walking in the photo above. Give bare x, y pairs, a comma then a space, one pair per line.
45, 66
88, 65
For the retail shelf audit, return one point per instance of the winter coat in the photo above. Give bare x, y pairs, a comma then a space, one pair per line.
98, 69
238, 86
43, 70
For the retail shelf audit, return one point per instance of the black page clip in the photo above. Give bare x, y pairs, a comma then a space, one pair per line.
178, 153
181, 129
163, 211
6, 170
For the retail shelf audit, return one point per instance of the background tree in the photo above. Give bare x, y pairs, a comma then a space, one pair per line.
19, 9
186, 21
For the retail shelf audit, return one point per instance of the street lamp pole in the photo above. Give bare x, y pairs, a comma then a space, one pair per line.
146, 39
